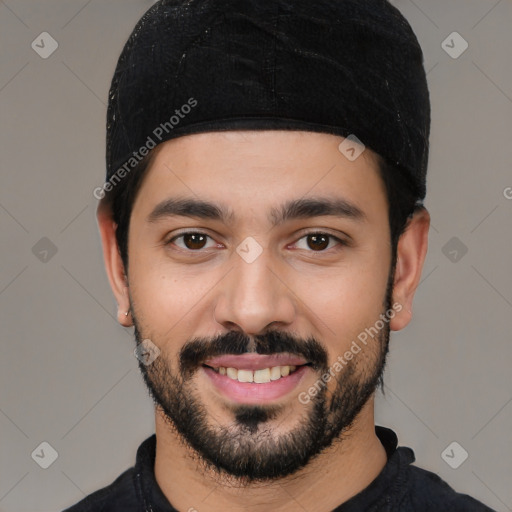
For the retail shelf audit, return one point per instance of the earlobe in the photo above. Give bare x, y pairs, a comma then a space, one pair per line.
411, 253
113, 263
124, 317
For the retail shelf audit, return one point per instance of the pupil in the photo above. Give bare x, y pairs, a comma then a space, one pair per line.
194, 241
318, 241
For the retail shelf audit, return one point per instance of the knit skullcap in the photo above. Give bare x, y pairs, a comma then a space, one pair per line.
344, 67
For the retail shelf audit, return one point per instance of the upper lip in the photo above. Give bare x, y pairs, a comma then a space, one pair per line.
255, 361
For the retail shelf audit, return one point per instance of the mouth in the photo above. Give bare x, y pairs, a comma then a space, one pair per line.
259, 376
255, 378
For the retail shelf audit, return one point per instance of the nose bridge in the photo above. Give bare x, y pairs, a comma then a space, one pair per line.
253, 297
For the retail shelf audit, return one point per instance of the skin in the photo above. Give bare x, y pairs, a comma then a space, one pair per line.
332, 295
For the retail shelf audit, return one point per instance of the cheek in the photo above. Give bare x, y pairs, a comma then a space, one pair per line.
167, 298
347, 300
344, 302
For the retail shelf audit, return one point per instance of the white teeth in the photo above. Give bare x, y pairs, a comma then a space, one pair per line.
275, 373
259, 376
245, 376
232, 373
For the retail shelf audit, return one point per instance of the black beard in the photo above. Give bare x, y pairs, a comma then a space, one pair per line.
249, 448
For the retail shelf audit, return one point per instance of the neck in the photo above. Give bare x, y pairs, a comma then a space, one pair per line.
336, 475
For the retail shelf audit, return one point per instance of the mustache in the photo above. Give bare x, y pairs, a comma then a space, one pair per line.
193, 354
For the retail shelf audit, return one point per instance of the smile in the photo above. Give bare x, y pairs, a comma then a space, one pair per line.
262, 376
258, 386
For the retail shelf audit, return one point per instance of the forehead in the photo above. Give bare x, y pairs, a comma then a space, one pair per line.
247, 171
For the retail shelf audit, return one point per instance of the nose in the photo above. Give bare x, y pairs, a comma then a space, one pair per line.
253, 296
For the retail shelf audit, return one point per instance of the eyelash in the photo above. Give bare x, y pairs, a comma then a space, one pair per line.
304, 235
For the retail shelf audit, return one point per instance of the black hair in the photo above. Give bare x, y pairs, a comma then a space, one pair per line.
121, 200
402, 194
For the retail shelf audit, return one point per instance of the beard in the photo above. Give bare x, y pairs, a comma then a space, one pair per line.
250, 448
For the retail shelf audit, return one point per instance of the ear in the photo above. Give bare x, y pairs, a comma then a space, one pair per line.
113, 263
411, 253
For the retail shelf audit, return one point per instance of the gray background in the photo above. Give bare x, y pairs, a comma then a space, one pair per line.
68, 375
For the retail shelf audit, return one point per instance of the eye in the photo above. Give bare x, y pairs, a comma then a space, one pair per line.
192, 241
318, 242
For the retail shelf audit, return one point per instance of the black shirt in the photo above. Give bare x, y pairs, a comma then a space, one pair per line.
400, 487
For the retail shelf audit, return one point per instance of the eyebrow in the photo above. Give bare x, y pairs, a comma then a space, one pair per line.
295, 209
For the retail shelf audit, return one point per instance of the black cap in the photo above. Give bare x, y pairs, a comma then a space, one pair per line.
336, 66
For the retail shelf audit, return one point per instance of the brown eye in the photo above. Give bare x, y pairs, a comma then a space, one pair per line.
194, 240
318, 242
191, 241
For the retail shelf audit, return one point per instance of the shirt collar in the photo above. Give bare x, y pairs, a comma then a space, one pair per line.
386, 490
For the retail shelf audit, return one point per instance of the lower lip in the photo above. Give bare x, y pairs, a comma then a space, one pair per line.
251, 393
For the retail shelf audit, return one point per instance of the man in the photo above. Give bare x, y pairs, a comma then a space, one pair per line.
263, 231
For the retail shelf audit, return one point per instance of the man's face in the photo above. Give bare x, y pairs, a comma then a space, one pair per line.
284, 286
